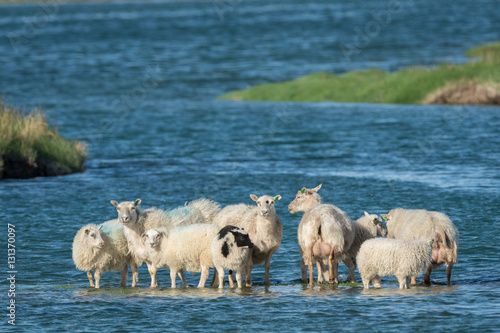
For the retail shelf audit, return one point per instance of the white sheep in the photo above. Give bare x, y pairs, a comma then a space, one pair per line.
186, 248
366, 227
325, 233
101, 249
136, 221
263, 226
381, 257
410, 224
231, 249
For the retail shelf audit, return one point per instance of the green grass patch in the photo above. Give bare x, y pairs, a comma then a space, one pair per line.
27, 139
406, 86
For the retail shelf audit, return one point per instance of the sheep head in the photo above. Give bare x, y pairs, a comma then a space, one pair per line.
377, 222
127, 210
152, 237
94, 237
305, 200
266, 204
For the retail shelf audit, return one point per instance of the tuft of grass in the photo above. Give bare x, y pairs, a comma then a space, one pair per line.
28, 138
487, 52
406, 86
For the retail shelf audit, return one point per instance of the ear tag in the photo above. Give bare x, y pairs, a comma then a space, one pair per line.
302, 191
384, 218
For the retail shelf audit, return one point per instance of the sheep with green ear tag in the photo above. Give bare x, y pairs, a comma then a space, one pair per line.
325, 233
263, 226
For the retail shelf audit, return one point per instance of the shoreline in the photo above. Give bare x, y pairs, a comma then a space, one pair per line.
474, 83
30, 148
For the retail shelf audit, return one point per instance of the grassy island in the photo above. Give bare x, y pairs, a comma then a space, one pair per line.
476, 82
29, 148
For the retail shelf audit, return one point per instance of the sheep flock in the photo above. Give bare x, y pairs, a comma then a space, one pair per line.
200, 235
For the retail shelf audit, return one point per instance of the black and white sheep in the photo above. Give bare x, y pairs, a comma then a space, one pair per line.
231, 249
263, 226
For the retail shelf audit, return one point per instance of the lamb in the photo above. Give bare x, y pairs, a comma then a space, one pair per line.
263, 226
136, 221
102, 248
186, 248
366, 227
325, 233
381, 257
409, 224
231, 249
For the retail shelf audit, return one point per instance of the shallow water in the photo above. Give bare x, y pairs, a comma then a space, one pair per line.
138, 82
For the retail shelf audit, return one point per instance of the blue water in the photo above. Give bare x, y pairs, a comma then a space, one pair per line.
137, 82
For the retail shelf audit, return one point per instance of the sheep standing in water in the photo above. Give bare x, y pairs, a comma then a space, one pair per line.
325, 233
263, 226
231, 249
381, 257
410, 224
101, 249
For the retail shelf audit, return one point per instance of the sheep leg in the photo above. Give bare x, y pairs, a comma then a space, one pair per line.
91, 278
239, 278
320, 271
135, 273
366, 283
215, 279
220, 273
123, 281
173, 275
97, 276
204, 275
310, 264
413, 280
325, 270
448, 272
427, 276
350, 264
377, 282
267, 265
402, 282
303, 270
248, 274
152, 271
183, 279
230, 277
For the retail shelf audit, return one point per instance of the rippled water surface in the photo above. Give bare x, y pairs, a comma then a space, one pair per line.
137, 82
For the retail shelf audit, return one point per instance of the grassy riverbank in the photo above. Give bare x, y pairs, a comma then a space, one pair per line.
29, 148
476, 82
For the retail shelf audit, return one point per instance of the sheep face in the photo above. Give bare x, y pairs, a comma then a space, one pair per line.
94, 237
305, 200
265, 204
377, 222
127, 212
152, 238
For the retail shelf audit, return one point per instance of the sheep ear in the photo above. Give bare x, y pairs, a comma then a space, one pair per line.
136, 202
100, 227
114, 203
316, 189
276, 198
366, 214
254, 197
